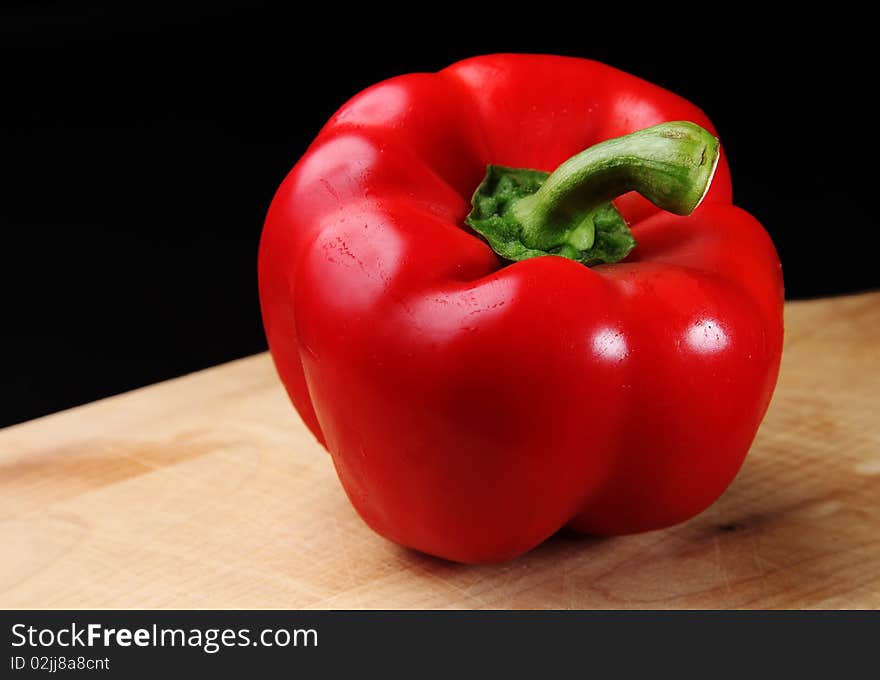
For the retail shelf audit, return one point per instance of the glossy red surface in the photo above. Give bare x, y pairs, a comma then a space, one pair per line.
472, 408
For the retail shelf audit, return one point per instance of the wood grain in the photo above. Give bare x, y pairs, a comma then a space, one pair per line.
208, 492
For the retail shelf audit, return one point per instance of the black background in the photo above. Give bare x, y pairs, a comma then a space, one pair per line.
140, 149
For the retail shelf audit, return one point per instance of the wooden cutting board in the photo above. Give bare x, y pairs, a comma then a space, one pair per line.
207, 491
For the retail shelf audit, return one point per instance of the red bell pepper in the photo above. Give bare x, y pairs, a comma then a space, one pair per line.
474, 402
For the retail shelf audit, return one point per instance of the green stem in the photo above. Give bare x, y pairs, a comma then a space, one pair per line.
526, 213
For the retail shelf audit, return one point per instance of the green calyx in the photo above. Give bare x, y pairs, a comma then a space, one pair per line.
596, 236
528, 213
